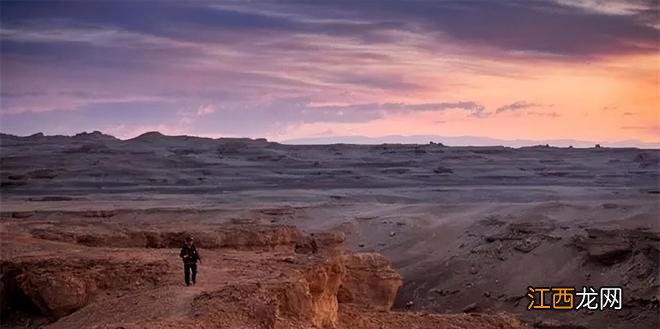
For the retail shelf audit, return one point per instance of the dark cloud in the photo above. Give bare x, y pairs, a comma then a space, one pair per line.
515, 107
520, 27
524, 26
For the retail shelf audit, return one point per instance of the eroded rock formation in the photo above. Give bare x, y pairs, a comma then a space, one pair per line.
369, 281
82, 275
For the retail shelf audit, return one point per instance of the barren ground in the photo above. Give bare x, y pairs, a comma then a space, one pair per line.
465, 226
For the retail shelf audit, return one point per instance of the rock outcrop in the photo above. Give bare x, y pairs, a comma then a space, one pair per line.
62, 273
610, 247
235, 236
56, 294
369, 281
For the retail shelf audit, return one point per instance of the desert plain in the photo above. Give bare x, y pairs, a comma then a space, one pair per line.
321, 236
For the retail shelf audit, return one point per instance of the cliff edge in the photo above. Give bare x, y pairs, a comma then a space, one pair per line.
85, 270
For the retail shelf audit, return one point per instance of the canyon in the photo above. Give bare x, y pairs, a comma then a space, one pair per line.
336, 236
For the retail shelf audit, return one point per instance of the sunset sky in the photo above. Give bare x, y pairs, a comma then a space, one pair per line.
285, 70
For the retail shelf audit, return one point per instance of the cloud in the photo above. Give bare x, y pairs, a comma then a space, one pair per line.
291, 48
205, 109
524, 108
515, 107
643, 10
23, 94
247, 68
189, 116
543, 114
208, 118
649, 129
376, 110
568, 29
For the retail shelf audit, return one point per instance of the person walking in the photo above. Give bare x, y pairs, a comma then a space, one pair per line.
190, 256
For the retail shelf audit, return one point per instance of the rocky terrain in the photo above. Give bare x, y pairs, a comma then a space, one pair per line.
97, 163
77, 270
468, 229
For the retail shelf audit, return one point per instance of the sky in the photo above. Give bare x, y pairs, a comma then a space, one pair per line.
286, 70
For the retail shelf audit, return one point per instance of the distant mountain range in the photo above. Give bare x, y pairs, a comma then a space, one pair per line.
155, 137
466, 141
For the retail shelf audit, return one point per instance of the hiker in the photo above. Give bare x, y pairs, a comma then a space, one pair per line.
190, 257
